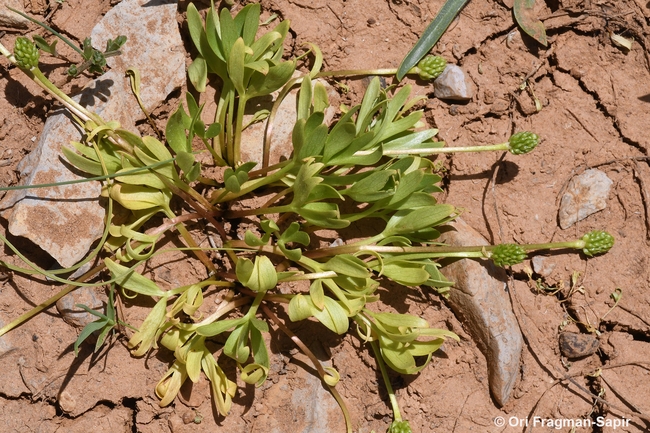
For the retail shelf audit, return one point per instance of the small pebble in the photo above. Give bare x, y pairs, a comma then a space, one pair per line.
586, 194
574, 345
543, 266
67, 402
453, 85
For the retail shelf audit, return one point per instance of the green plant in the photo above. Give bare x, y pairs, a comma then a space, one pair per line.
522, 10
369, 167
93, 60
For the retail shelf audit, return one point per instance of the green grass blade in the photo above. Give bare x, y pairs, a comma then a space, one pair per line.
431, 35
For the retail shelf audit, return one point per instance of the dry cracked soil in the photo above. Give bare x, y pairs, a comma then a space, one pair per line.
592, 112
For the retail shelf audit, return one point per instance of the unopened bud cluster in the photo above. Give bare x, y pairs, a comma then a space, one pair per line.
26, 53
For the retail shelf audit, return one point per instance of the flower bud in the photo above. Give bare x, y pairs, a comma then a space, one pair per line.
523, 142
26, 53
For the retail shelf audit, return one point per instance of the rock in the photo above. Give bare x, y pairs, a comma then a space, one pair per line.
12, 19
65, 221
5, 346
67, 403
453, 84
586, 194
154, 47
479, 300
75, 316
543, 265
574, 345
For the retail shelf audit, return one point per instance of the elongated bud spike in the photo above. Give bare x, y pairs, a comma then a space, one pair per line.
597, 242
508, 255
430, 67
523, 142
26, 53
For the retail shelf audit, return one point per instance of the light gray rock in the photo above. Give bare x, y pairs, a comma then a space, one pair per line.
154, 46
543, 265
586, 194
5, 345
65, 221
11, 19
479, 300
453, 84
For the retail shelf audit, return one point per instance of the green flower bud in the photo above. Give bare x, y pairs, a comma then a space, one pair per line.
430, 67
523, 142
597, 242
508, 255
400, 427
26, 53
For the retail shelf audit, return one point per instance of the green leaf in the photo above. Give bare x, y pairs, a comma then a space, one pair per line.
304, 98
325, 215
197, 73
229, 32
145, 338
306, 180
372, 187
236, 65
175, 133
347, 264
431, 35
44, 46
82, 163
87, 332
409, 221
525, 16
250, 15
219, 327
367, 109
138, 197
131, 280
340, 138
407, 185
317, 294
185, 161
406, 273
396, 320
259, 276
300, 307
333, 316
315, 136
278, 76
321, 100
195, 25
236, 346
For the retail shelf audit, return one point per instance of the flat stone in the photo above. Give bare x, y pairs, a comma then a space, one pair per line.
586, 194
479, 300
65, 221
11, 19
453, 84
154, 47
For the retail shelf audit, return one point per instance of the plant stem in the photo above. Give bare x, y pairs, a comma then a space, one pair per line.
319, 368
218, 196
439, 150
436, 250
397, 415
236, 147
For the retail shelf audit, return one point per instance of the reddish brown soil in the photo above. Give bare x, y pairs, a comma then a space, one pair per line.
595, 113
